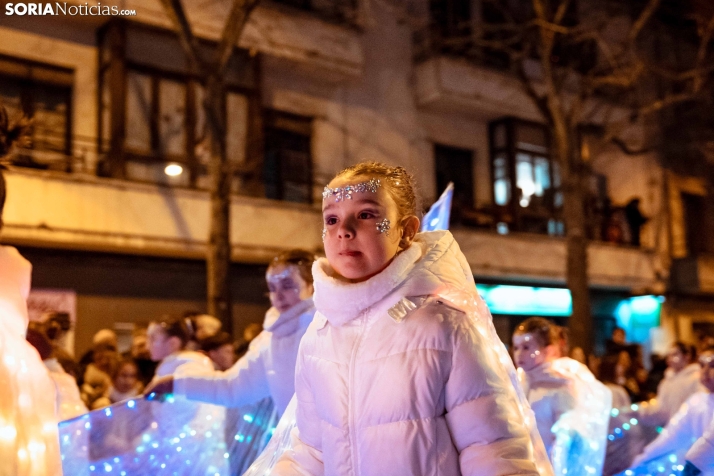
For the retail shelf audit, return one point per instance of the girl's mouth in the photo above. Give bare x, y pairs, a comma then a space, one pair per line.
350, 253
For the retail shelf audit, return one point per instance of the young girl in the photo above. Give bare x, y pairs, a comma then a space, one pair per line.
400, 371
571, 408
29, 444
268, 369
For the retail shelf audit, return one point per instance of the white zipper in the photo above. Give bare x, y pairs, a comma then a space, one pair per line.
350, 394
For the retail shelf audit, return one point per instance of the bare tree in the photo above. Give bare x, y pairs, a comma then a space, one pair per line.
212, 74
592, 62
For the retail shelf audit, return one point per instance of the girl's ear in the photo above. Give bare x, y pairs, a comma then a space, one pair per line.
410, 228
552, 351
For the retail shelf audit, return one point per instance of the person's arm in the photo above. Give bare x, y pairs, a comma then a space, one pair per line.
482, 411
304, 458
244, 383
677, 431
701, 454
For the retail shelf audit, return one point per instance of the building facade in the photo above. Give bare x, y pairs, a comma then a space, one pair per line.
313, 87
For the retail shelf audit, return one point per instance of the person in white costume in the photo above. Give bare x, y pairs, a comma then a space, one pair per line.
690, 422
681, 380
29, 442
268, 368
701, 454
571, 407
401, 371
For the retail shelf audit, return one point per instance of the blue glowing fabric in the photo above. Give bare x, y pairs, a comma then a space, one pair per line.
670, 464
581, 433
173, 437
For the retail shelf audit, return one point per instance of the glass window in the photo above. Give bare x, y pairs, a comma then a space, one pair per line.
501, 181
48, 105
138, 112
532, 195
287, 166
172, 118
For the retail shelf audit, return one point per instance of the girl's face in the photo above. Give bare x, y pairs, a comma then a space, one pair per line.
527, 352
160, 344
126, 378
286, 287
354, 245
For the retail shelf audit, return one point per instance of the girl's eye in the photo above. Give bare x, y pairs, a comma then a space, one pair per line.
366, 215
330, 220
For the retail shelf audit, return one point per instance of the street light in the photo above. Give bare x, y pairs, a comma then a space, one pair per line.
173, 170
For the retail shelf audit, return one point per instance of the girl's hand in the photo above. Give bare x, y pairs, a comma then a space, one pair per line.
159, 387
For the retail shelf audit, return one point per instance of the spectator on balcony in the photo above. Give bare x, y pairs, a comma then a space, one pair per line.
635, 220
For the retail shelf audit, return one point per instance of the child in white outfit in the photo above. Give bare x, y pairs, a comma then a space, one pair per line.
399, 373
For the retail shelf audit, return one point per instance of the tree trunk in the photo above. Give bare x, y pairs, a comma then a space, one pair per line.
580, 324
218, 261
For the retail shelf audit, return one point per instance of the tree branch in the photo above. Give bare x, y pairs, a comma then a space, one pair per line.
177, 15
238, 17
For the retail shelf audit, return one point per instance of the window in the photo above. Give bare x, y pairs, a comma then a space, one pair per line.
151, 108
287, 169
526, 182
697, 224
455, 165
44, 94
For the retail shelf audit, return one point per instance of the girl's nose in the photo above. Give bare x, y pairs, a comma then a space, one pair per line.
346, 230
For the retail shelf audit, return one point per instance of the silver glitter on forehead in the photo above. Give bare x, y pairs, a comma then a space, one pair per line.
344, 193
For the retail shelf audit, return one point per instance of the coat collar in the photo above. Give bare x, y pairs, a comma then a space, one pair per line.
432, 264
288, 322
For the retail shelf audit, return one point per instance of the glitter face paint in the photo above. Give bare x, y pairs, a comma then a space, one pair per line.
527, 352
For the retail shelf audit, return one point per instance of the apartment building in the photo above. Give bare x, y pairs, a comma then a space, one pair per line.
111, 203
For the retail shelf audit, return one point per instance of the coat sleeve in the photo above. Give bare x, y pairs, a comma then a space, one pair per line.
244, 383
701, 454
675, 435
304, 458
482, 408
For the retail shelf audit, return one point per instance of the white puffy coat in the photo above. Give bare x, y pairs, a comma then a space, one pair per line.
266, 370
702, 453
393, 380
685, 427
550, 395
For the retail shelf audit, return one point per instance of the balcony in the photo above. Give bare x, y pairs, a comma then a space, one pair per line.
528, 257
58, 210
317, 34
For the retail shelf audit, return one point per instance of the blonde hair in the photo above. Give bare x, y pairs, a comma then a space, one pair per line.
400, 183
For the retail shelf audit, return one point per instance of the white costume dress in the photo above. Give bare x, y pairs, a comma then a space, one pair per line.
672, 392
572, 411
29, 444
403, 374
266, 370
